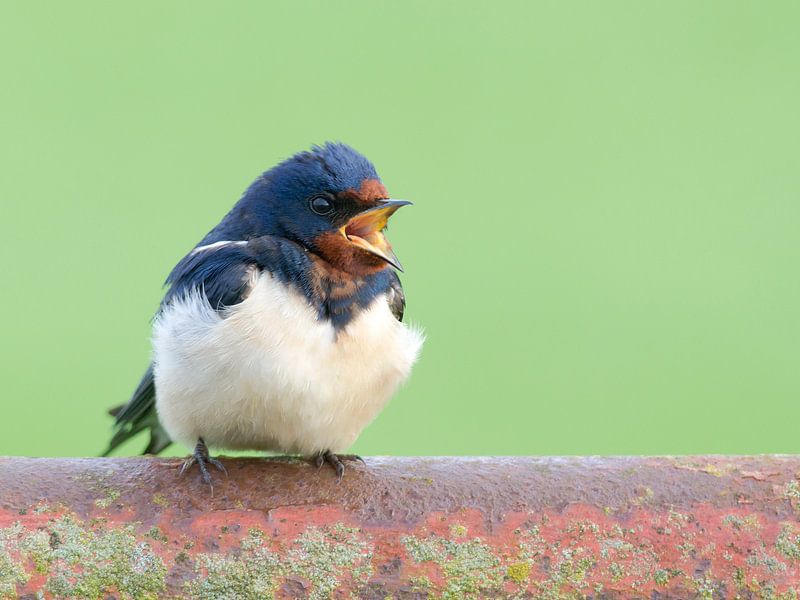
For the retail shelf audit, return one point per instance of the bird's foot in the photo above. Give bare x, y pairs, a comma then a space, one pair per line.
202, 459
336, 461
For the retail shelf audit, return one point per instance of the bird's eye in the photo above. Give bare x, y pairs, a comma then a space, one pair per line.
321, 205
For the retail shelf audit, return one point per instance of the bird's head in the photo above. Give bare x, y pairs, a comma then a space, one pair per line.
331, 201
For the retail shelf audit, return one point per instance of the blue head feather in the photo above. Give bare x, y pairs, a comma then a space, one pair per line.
276, 202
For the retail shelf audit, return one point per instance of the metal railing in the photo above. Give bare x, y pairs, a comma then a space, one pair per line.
580, 527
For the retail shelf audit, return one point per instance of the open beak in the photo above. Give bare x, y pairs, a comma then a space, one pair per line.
366, 230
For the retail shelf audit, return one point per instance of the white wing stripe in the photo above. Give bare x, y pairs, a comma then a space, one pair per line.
217, 245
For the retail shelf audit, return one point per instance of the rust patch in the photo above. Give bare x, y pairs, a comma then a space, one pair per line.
345, 256
370, 191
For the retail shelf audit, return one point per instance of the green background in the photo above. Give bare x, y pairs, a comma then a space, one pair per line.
604, 248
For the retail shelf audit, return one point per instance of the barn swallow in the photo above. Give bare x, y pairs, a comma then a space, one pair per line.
281, 330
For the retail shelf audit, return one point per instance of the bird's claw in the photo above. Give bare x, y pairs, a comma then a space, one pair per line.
201, 458
336, 461
218, 464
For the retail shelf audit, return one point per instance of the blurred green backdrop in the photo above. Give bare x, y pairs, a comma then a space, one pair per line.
604, 248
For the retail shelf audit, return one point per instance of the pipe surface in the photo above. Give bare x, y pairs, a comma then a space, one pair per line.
402, 528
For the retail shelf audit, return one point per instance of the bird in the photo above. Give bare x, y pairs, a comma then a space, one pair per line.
282, 329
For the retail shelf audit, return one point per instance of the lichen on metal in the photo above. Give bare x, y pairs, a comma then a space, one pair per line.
550, 528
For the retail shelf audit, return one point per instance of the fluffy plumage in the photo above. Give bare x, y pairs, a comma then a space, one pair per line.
270, 337
269, 374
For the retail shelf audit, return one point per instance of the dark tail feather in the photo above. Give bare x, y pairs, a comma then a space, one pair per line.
136, 416
159, 440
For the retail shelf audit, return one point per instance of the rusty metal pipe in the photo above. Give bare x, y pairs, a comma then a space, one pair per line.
628, 527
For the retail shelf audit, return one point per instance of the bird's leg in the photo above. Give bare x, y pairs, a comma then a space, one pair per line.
202, 458
335, 461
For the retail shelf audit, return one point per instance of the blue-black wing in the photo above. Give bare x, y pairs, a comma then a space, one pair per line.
222, 272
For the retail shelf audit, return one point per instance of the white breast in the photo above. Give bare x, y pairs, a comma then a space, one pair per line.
271, 376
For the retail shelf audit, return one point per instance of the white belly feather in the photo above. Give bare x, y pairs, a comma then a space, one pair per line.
271, 376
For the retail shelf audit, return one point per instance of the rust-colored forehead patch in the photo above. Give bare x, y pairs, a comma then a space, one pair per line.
371, 190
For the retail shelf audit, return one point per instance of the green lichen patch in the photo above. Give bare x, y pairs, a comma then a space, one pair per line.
615, 545
157, 534
99, 484
769, 562
469, 567
321, 555
714, 469
704, 588
83, 561
421, 584
791, 492
251, 576
663, 576
747, 523
458, 531
616, 570
414, 478
12, 570
87, 564
580, 527
42, 508
643, 497
324, 557
569, 568
788, 542
519, 572
160, 500
110, 496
